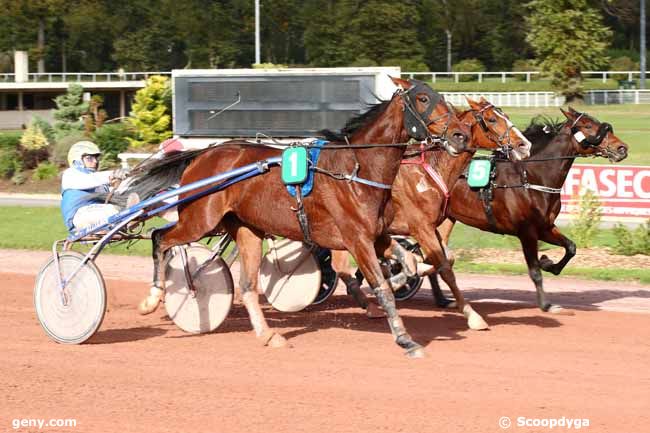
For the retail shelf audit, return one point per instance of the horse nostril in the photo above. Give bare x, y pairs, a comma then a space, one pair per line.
461, 138
622, 150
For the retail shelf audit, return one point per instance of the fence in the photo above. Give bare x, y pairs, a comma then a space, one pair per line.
549, 99
502, 76
505, 76
73, 77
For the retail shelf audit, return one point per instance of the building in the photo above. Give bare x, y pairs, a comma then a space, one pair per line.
24, 94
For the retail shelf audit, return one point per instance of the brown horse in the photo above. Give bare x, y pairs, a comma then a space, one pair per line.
524, 198
342, 214
420, 197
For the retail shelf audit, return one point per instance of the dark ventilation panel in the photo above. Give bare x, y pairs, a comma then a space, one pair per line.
279, 105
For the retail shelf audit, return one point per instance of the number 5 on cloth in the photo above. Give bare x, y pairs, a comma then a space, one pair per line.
479, 173
294, 165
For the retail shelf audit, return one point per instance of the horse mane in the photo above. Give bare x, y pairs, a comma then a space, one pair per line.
355, 123
541, 131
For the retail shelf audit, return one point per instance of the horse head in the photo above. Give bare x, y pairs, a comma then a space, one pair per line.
492, 129
592, 137
427, 117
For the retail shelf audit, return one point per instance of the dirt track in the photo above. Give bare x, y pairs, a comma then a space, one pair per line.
343, 373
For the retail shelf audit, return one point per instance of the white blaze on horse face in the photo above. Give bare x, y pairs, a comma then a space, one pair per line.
520, 152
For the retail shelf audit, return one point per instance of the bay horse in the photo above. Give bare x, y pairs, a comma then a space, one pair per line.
342, 214
524, 198
420, 197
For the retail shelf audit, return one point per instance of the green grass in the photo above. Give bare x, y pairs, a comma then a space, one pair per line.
494, 84
640, 275
466, 237
36, 228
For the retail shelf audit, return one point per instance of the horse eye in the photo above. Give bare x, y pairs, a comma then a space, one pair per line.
492, 120
588, 126
423, 99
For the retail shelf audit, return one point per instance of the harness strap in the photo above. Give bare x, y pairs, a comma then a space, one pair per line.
355, 178
433, 174
302, 218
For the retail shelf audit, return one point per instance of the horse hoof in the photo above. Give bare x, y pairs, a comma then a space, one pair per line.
273, 339
558, 310
416, 353
546, 264
149, 304
424, 269
446, 303
278, 341
474, 320
375, 311
476, 323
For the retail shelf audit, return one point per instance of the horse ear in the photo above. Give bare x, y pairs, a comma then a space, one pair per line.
568, 114
404, 84
483, 100
473, 104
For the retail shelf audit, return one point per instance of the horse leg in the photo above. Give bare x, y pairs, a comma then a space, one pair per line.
434, 253
555, 237
150, 303
366, 257
444, 231
341, 265
249, 242
529, 244
389, 248
438, 297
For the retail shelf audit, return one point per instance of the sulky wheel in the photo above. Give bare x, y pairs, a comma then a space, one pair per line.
73, 316
203, 309
414, 283
290, 277
329, 277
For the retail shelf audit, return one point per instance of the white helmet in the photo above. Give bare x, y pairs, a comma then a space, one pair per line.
81, 148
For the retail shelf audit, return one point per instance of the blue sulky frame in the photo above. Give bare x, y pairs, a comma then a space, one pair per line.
143, 210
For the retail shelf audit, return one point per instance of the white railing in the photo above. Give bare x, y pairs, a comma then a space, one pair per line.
549, 99
64, 77
508, 99
505, 76
501, 76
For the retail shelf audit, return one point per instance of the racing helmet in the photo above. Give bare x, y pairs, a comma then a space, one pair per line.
81, 148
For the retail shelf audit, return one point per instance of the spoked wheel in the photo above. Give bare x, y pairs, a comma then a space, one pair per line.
73, 316
329, 277
203, 309
414, 283
290, 277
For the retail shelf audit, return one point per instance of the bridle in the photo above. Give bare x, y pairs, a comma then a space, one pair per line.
417, 124
504, 141
587, 141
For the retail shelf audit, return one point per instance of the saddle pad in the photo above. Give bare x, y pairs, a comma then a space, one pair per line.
478, 174
314, 153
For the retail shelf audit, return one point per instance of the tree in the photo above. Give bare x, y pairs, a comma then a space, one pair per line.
567, 36
381, 30
69, 112
151, 117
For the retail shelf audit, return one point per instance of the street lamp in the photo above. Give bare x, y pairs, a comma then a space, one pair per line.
642, 43
257, 32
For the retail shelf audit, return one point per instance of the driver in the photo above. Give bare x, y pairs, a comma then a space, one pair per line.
80, 186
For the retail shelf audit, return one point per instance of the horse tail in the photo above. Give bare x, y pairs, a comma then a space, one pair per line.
152, 177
